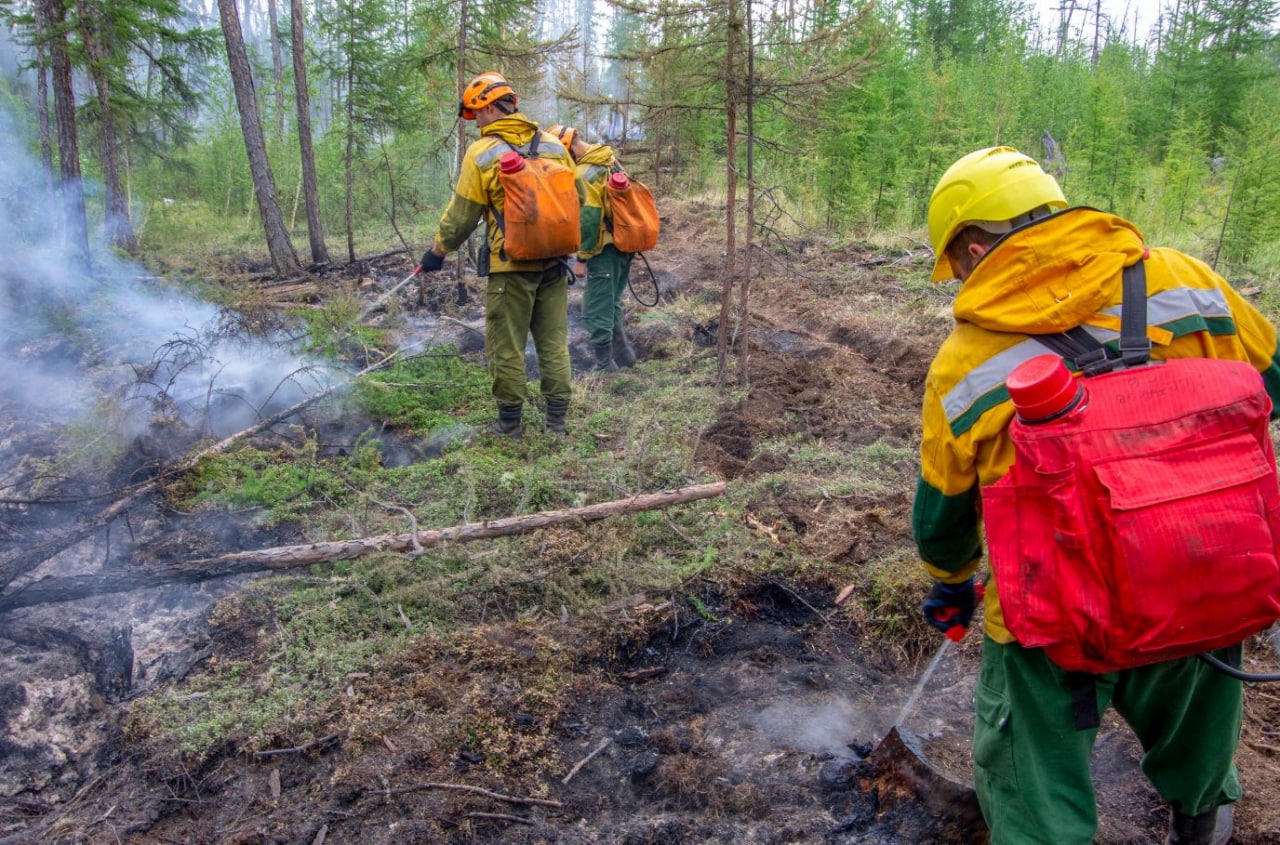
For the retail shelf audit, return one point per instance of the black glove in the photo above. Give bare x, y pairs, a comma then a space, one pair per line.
430, 262
949, 607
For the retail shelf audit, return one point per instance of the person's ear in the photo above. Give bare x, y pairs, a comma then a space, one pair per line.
976, 251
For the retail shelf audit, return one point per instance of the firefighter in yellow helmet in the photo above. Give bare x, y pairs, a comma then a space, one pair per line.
1028, 266
608, 269
522, 298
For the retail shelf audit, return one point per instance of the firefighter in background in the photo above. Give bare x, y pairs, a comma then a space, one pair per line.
608, 270
521, 297
1028, 266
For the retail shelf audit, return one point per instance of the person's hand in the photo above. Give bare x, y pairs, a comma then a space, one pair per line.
580, 269
431, 262
949, 607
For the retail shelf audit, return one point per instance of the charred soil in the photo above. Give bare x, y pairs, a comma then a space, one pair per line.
735, 709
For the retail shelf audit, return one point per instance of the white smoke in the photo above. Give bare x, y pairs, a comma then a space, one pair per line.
71, 335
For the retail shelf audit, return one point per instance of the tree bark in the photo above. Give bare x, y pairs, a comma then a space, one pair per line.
42, 112
51, 590
744, 296
731, 196
464, 10
64, 107
95, 30
349, 153
283, 256
310, 186
277, 64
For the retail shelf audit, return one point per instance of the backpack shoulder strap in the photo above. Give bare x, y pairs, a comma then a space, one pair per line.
1089, 355
1135, 346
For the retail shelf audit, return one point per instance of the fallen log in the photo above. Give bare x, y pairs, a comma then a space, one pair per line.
71, 588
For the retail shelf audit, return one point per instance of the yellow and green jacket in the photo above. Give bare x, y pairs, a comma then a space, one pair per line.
594, 167
478, 192
1048, 277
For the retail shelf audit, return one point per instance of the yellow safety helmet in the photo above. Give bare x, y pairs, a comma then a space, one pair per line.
990, 188
484, 90
566, 134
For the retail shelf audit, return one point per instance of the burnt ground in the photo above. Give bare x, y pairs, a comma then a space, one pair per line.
743, 717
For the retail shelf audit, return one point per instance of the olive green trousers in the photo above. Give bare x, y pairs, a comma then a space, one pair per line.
515, 306
1031, 763
607, 276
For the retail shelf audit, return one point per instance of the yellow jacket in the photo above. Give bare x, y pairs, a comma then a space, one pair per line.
594, 167
479, 192
1048, 277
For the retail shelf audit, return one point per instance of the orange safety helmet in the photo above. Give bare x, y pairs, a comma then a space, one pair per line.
566, 134
484, 90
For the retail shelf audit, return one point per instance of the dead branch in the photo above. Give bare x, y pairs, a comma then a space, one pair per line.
306, 746
506, 817
585, 760
71, 588
462, 787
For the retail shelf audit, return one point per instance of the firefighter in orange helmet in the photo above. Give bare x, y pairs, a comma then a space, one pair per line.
522, 298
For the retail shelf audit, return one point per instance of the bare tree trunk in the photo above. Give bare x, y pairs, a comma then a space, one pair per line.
744, 299
283, 256
76, 587
731, 196
1097, 33
64, 107
348, 160
460, 285
42, 113
277, 64
94, 29
310, 186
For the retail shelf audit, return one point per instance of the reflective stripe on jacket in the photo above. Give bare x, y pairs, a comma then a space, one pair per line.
1047, 277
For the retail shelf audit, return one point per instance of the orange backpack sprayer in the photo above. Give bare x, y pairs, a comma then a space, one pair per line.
1139, 522
633, 212
540, 212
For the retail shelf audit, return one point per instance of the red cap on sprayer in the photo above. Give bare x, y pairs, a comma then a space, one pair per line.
511, 162
619, 181
1042, 388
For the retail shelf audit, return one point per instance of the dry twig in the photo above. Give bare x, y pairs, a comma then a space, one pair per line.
306, 746
585, 760
478, 790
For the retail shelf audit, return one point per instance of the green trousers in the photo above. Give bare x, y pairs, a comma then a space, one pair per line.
1031, 764
515, 306
607, 277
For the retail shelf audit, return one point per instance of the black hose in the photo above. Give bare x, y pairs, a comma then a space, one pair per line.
1238, 674
657, 292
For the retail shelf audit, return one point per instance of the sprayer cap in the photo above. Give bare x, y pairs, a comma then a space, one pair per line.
511, 162
1041, 387
619, 181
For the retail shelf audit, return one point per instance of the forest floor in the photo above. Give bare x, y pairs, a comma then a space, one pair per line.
733, 707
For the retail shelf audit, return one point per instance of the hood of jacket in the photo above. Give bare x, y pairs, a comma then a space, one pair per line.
1050, 275
601, 154
513, 128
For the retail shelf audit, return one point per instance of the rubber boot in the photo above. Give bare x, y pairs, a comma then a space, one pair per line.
557, 410
1209, 828
623, 354
604, 358
508, 423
